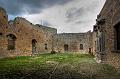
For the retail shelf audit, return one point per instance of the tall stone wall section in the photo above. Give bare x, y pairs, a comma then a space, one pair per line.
110, 17
3, 30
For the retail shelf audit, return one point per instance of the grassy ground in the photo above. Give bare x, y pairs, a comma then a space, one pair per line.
56, 66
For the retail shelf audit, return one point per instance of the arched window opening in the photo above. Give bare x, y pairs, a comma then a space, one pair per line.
34, 42
46, 47
66, 47
11, 41
81, 46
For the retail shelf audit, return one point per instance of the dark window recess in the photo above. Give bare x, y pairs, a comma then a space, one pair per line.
1, 34
118, 37
100, 45
46, 47
34, 46
4, 16
6, 27
65, 47
95, 45
90, 50
81, 46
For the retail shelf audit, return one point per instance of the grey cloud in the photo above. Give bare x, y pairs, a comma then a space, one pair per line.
76, 13
92, 7
82, 22
15, 7
46, 23
73, 14
82, 15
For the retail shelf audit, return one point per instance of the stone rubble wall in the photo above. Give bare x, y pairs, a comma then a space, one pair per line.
73, 40
111, 14
25, 32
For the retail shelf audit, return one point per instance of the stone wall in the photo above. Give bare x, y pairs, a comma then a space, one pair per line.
24, 32
107, 21
3, 29
20, 37
48, 33
73, 40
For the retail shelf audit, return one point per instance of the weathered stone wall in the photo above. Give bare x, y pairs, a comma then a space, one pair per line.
3, 29
111, 14
48, 33
26, 38
25, 32
73, 40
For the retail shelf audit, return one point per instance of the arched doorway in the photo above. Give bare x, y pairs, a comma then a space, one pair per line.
66, 47
34, 46
81, 46
11, 41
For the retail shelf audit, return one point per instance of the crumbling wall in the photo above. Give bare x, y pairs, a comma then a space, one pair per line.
73, 40
29, 39
25, 32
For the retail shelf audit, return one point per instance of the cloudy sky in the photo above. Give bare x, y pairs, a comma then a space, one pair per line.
65, 15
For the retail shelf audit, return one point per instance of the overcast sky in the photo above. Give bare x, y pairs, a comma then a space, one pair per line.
65, 15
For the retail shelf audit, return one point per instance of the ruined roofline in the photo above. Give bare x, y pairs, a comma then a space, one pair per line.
71, 33
76, 33
45, 27
2, 9
17, 19
21, 18
33, 25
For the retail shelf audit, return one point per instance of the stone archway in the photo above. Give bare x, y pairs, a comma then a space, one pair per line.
11, 41
34, 42
66, 47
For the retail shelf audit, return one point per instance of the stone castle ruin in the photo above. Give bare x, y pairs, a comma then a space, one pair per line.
22, 38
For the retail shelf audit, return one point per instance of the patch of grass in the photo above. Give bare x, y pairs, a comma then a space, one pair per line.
54, 66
